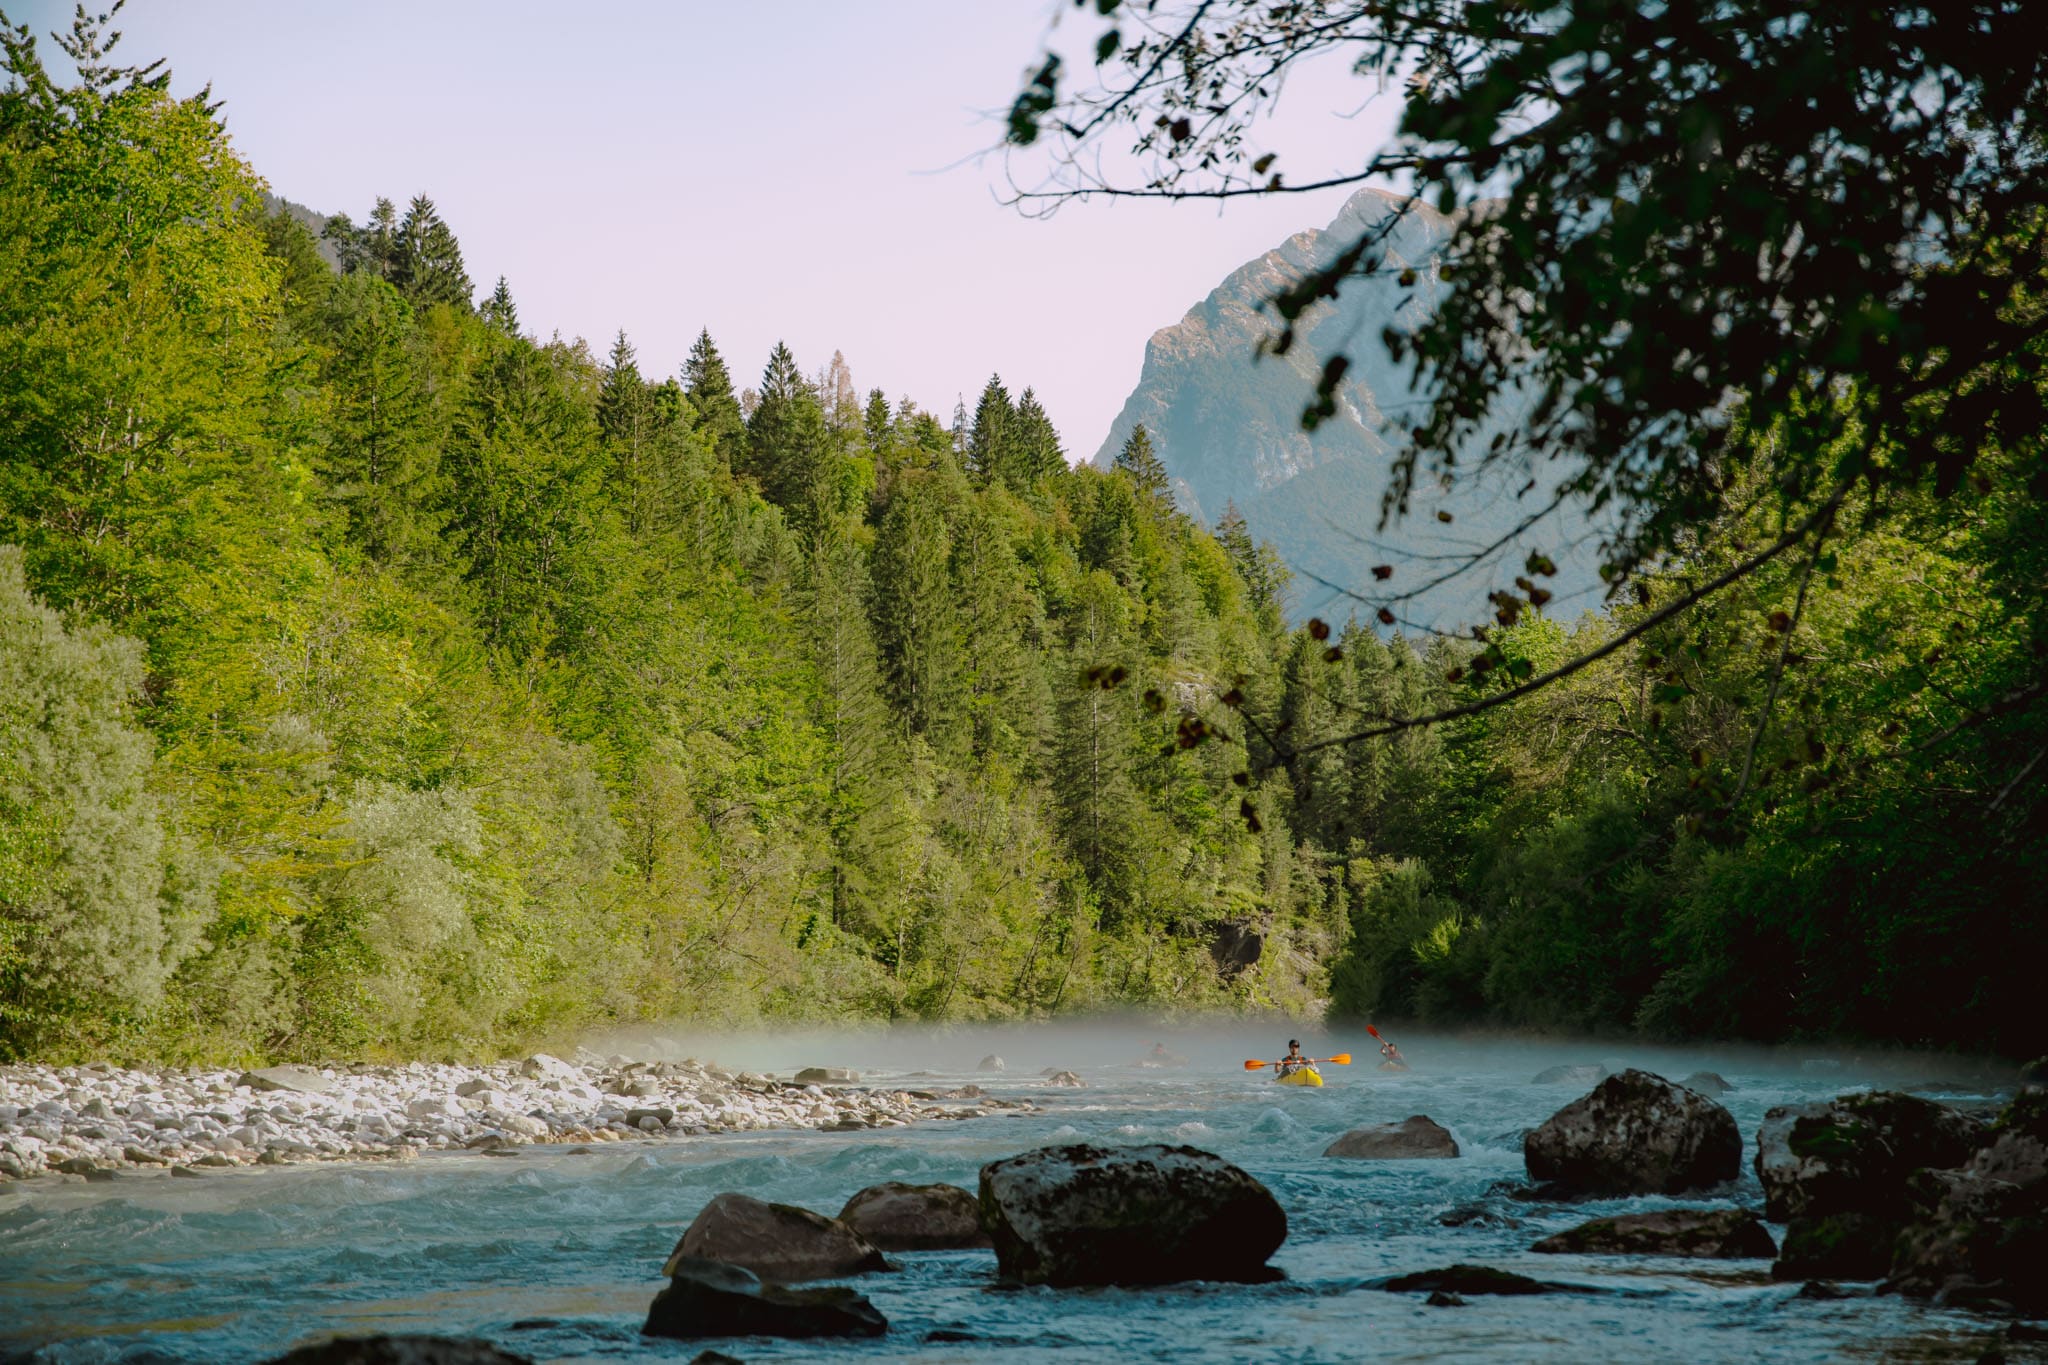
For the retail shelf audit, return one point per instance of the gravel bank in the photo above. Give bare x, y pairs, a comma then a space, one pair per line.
88, 1122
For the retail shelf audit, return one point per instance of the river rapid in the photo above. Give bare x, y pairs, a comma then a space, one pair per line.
554, 1254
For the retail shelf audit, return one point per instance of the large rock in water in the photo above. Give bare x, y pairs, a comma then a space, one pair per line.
899, 1217
406, 1349
778, 1242
1840, 1176
1414, 1137
1128, 1215
1635, 1134
1720, 1234
1980, 1234
713, 1299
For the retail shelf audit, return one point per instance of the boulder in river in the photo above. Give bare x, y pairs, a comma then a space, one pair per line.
1979, 1235
826, 1075
1719, 1234
1636, 1133
1712, 1084
1082, 1214
894, 1216
1472, 1279
1855, 1153
1569, 1075
298, 1080
778, 1242
2034, 1075
992, 1063
708, 1298
1414, 1137
1067, 1079
401, 1349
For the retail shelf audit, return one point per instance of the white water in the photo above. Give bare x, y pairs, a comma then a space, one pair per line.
555, 1255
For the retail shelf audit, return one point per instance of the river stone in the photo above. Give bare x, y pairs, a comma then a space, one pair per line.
2034, 1075
778, 1242
1712, 1084
826, 1075
542, 1067
1472, 1279
1636, 1133
894, 1216
1841, 1245
1128, 1215
1855, 1153
1569, 1075
707, 1298
991, 1063
1412, 1138
1719, 1234
297, 1079
1979, 1235
1067, 1079
405, 1349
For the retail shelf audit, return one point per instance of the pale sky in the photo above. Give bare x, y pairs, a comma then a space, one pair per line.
807, 171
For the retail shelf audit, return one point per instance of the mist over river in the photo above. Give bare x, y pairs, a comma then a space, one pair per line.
556, 1255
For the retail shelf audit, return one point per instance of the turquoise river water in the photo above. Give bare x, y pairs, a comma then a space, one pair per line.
554, 1255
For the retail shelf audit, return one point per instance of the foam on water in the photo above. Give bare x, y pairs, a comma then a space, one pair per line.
554, 1255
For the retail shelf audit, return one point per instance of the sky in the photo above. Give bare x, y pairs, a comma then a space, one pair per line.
813, 172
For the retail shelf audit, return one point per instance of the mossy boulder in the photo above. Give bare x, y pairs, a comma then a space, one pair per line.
1719, 1234
894, 1216
778, 1242
1856, 1153
1979, 1234
713, 1299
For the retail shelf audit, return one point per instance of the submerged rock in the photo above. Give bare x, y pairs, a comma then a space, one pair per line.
1081, 1215
1842, 1245
778, 1242
1569, 1075
1979, 1235
1415, 1137
403, 1349
1712, 1084
894, 1216
1636, 1133
1472, 1279
1720, 1234
826, 1075
707, 1298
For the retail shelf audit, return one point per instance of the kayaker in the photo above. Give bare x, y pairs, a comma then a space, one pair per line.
1293, 1061
1393, 1056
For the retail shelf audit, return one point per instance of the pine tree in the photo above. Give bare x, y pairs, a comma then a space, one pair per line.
789, 447
381, 459
428, 265
1143, 465
1038, 453
499, 310
1257, 563
708, 386
989, 589
862, 763
916, 622
990, 442
1095, 794
837, 396
627, 420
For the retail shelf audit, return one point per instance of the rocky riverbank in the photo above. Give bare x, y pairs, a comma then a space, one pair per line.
92, 1121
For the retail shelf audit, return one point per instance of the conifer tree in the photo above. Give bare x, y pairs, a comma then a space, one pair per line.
1143, 465
499, 310
788, 444
381, 459
627, 420
990, 441
1257, 563
427, 265
916, 622
989, 589
1095, 794
708, 386
1037, 444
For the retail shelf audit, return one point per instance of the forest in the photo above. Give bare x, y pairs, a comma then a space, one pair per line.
379, 678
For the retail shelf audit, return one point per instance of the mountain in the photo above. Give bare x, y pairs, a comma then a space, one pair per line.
1226, 421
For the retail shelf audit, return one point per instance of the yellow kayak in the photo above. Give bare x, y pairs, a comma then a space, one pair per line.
1308, 1075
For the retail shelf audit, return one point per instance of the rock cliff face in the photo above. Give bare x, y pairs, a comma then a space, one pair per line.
1226, 421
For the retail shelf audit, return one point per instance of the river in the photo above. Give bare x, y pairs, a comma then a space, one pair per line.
554, 1255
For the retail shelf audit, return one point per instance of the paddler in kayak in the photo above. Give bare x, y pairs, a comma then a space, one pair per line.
1394, 1060
1293, 1061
